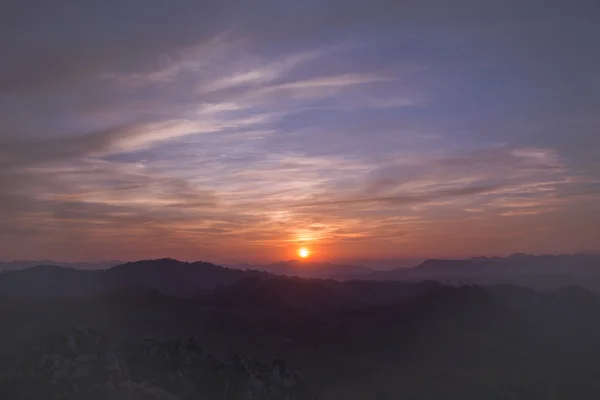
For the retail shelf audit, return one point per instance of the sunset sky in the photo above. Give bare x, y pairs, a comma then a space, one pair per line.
231, 130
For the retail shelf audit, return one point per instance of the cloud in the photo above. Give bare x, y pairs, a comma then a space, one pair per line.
115, 140
527, 211
331, 81
491, 181
201, 122
169, 67
408, 198
98, 39
212, 108
140, 136
269, 72
127, 138
311, 89
101, 38
501, 164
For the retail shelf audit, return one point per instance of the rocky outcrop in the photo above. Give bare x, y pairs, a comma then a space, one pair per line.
82, 364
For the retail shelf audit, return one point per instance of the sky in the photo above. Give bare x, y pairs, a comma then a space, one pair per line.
229, 130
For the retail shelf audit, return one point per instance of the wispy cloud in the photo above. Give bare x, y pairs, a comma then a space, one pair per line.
314, 88
248, 75
193, 60
331, 81
408, 199
225, 127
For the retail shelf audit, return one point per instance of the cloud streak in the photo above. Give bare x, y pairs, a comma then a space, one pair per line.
386, 129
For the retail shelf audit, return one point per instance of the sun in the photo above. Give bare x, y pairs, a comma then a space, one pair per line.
304, 252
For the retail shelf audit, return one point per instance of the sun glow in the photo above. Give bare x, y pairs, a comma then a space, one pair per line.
303, 252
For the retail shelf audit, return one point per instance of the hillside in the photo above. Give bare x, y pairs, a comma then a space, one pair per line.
355, 340
311, 269
167, 276
542, 272
82, 364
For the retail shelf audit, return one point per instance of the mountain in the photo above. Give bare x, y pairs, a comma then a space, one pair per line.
418, 341
82, 364
23, 264
350, 340
310, 269
308, 296
547, 271
167, 276
387, 264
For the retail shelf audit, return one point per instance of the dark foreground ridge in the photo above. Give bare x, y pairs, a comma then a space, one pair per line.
82, 364
351, 340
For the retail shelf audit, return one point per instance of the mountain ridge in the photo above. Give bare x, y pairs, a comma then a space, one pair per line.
23, 264
168, 276
543, 271
311, 269
474, 342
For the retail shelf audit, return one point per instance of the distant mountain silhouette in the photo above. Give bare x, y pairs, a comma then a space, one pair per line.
167, 276
183, 279
312, 269
22, 264
547, 271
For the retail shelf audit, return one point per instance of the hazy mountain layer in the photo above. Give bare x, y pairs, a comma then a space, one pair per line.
355, 340
544, 272
310, 269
